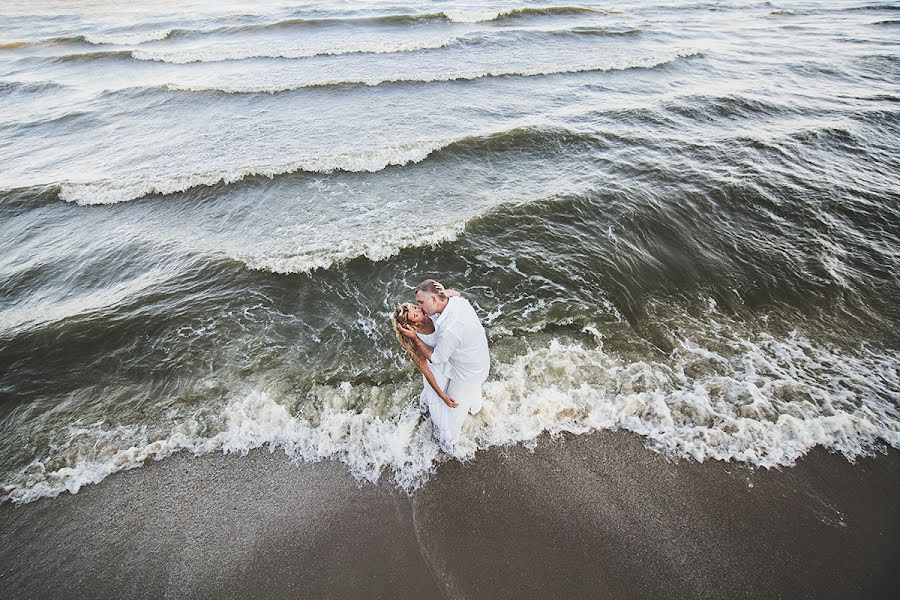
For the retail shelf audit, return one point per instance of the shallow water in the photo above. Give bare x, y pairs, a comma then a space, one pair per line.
677, 218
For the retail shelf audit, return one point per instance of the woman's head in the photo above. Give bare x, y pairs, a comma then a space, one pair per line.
409, 314
406, 314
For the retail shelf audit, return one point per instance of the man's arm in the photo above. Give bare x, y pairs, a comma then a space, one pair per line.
446, 346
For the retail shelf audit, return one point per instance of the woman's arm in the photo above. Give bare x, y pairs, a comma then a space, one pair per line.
429, 377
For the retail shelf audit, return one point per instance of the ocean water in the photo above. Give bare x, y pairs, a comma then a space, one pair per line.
676, 218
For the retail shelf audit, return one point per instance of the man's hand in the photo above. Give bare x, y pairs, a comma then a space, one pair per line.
409, 331
449, 401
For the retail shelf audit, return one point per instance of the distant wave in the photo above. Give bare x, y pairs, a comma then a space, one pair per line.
372, 160
224, 52
93, 55
132, 38
648, 62
234, 52
97, 39
502, 15
27, 87
127, 38
14, 45
62, 41
413, 19
135, 38
874, 7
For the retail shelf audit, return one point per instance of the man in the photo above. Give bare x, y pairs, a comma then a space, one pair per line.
461, 351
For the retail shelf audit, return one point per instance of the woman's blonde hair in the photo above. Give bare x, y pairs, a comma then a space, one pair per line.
399, 318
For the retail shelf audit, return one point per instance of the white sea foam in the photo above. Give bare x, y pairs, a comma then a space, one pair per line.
375, 247
614, 64
472, 16
484, 16
223, 52
767, 404
128, 38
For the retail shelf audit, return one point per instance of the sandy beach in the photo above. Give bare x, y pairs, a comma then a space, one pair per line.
596, 516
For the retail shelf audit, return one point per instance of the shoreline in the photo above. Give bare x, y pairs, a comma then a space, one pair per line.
597, 515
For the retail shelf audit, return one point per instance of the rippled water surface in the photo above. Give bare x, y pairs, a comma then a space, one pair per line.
676, 218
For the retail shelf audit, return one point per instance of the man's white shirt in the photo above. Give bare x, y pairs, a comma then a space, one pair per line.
462, 348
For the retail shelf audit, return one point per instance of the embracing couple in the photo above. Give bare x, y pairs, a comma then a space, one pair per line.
447, 342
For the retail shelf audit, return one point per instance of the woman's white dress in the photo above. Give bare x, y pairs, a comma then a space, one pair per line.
447, 422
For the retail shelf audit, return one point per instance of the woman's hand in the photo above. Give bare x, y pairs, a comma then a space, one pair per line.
408, 330
449, 401
440, 288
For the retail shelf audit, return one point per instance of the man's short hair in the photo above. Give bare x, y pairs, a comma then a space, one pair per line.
430, 286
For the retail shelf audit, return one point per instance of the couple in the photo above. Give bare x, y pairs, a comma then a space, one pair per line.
448, 344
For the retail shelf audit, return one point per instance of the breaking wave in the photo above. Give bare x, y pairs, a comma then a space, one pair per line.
374, 247
241, 52
648, 62
413, 19
27, 87
127, 38
112, 191
225, 52
133, 38
761, 401
504, 15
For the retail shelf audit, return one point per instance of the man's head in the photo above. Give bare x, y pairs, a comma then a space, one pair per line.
431, 297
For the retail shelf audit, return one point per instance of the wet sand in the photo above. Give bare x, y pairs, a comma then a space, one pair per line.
594, 516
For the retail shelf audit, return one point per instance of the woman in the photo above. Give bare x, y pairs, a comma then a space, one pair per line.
446, 417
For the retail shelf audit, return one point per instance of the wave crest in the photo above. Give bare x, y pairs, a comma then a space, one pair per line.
128, 38
236, 52
622, 64
231, 53
416, 18
517, 13
112, 191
